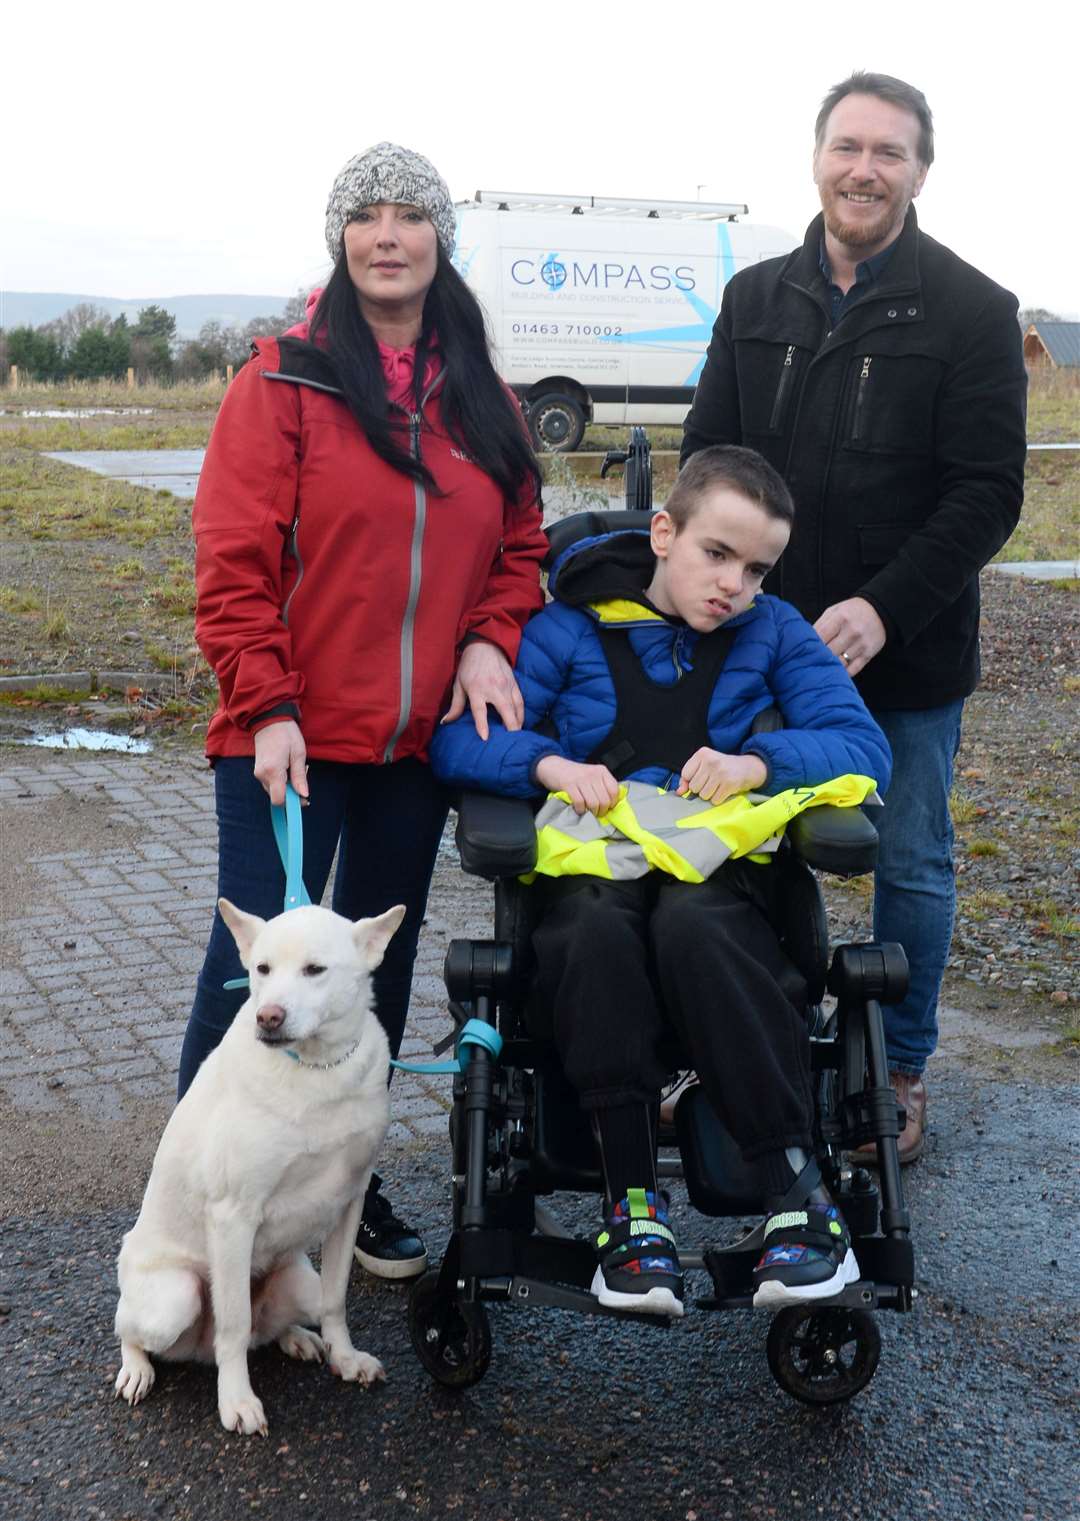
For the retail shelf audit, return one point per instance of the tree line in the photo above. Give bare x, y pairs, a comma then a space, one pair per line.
85, 343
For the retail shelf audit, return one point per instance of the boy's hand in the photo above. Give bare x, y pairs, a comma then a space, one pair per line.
714, 776
589, 788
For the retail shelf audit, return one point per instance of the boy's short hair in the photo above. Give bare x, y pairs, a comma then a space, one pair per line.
742, 470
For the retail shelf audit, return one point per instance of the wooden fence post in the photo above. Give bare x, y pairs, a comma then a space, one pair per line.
14, 377
228, 374
131, 379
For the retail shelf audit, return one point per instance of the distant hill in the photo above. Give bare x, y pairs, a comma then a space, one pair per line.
21, 308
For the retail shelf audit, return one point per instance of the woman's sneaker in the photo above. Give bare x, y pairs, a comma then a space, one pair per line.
807, 1256
385, 1246
638, 1264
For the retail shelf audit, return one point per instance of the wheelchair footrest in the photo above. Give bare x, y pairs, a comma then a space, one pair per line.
557, 1296
855, 1296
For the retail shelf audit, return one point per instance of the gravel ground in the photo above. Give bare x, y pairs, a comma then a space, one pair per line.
1016, 944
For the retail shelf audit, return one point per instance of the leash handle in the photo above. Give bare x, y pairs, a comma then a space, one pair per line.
289, 835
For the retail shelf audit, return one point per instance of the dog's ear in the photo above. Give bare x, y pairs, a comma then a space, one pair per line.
244, 927
372, 936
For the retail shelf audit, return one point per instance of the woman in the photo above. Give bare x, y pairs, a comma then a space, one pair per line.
368, 540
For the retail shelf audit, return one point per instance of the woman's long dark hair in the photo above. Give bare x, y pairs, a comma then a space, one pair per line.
477, 412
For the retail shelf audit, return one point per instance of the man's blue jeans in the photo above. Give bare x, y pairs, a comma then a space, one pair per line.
389, 821
915, 886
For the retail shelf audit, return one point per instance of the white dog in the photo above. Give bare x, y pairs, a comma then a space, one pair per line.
268, 1153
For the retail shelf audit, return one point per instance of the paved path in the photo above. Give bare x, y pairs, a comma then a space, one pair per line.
105, 893
104, 926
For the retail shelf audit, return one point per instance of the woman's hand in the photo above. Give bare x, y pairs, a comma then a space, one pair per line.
591, 788
714, 776
484, 675
281, 756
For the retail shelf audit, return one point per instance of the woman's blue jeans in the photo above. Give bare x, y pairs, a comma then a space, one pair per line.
915, 885
385, 822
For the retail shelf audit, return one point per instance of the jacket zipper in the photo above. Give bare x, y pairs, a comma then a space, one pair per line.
408, 622
785, 376
294, 550
860, 397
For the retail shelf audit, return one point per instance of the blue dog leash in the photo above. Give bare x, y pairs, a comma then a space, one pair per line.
288, 828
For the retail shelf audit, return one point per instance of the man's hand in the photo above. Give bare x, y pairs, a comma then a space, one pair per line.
281, 756
484, 675
852, 630
590, 789
714, 776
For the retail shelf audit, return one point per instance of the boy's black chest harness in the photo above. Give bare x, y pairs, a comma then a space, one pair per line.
657, 725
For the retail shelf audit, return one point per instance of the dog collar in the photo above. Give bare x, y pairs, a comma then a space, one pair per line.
324, 1066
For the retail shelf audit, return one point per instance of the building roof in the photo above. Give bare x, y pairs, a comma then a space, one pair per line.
1062, 340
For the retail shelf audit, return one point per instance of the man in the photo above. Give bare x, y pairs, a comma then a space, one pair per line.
884, 378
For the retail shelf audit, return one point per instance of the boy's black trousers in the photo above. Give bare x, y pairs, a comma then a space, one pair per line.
620, 965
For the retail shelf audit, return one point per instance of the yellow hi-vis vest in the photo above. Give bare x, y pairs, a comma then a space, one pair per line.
649, 829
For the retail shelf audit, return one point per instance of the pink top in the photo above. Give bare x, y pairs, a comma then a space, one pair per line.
397, 364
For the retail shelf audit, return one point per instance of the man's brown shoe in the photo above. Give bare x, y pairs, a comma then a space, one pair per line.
910, 1095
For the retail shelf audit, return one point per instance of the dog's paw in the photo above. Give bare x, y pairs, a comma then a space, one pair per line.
136, 1376
244, 1414
299, 1342
358, 1368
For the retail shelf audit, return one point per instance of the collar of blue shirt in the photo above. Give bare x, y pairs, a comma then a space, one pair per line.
865, 274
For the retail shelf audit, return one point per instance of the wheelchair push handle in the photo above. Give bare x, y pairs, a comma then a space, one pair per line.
637, 458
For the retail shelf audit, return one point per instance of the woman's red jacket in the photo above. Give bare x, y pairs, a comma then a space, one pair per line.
334, 589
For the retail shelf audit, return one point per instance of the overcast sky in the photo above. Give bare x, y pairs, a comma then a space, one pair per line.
153, 150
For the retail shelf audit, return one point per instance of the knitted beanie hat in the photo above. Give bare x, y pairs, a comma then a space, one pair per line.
388, 172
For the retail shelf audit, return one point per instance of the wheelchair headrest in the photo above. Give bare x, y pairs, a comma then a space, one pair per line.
587, 525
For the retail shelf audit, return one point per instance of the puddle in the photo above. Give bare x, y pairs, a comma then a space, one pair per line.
90, 739
87, 412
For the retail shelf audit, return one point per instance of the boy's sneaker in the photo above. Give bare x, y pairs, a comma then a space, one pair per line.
638, 1267
385, 1246
807, 1256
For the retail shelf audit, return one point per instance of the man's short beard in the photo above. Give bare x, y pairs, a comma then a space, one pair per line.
860, 234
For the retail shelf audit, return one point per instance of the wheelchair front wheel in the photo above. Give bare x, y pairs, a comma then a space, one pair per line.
450, 1336
823, 1356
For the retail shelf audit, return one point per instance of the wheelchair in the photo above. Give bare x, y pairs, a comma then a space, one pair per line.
519, 1136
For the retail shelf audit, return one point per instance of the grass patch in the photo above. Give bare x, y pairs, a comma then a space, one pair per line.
131, 569
1053, 407
984, 903
44, 692
18, 599
58, 626
174, 592
964, 810
183, 396
983, 848
41, 499
1049, 527
52, 433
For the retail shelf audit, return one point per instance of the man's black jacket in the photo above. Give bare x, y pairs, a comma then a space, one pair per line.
901, 434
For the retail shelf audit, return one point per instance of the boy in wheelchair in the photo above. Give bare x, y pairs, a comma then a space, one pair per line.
650, 664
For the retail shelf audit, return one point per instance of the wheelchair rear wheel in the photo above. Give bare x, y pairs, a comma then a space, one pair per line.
823, 1356
451, 1336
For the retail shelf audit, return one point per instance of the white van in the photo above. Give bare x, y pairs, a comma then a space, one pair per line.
601, 310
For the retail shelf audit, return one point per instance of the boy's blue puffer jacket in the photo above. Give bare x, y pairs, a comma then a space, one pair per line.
776, 660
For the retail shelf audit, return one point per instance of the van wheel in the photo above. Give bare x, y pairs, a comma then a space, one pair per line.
556, 422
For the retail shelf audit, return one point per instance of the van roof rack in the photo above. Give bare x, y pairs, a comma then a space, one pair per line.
610, 206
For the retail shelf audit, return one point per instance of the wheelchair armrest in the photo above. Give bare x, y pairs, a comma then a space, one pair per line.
496, 836
839, 840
